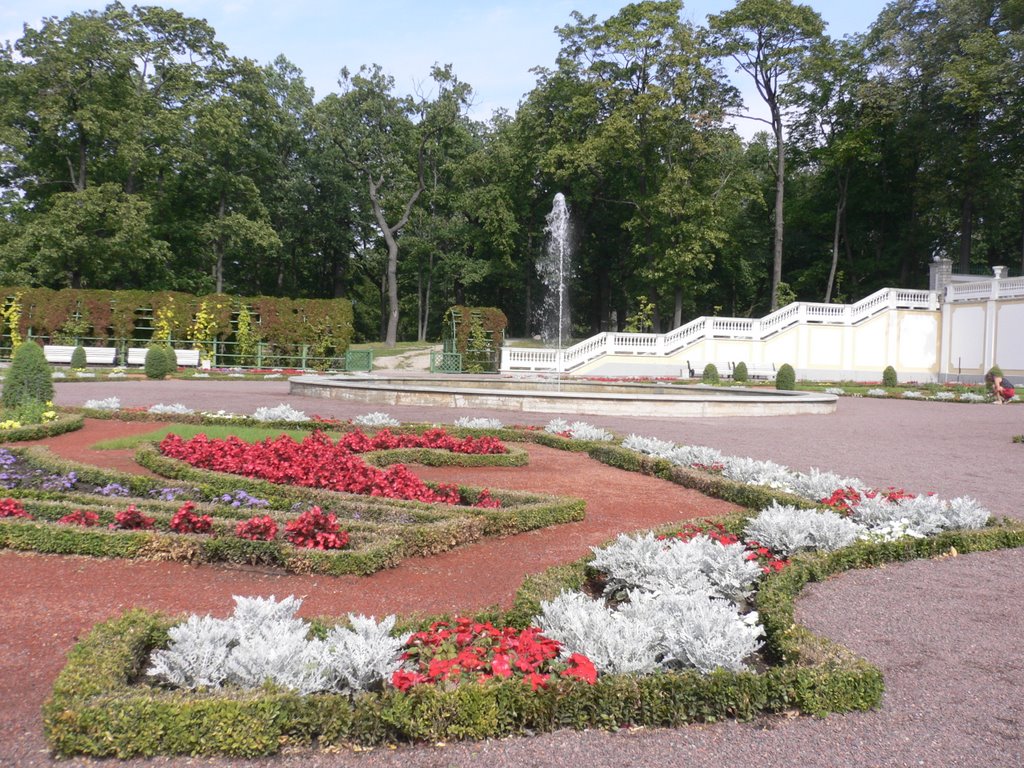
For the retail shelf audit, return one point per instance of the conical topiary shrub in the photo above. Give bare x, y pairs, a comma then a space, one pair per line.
170, 359
889, 377
739, 372
29, 378
78, 360
156, 365
786, 377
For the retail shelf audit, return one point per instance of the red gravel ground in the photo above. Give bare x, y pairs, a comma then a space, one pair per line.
944, 632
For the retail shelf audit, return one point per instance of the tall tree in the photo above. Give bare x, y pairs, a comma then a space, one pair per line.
829, 127
768, 40
389, 141
632, 119
951, 69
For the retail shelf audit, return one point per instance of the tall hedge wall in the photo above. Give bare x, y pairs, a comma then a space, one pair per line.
71, 313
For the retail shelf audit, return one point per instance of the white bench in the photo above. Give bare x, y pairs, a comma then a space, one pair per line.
697, 369
61, 353
761, 371
186, 357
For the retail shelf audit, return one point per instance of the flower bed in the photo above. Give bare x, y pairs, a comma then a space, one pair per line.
97, 693
64, 422
391, 529
150, 529
317, 462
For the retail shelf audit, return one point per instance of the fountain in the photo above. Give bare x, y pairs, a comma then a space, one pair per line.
567, 396
555, 267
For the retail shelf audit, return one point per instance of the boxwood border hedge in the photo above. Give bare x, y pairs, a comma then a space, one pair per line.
65, 422
391, 529
98, 698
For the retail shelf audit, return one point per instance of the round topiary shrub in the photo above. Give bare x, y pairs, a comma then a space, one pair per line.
155, 365
786, 377
29, 378
739, 372
710, 375
889, 377
78, 361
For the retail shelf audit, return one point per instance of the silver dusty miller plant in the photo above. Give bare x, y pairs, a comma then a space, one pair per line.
375, 419
263, 641
478, 422
281, 412
579, 430
652, 631
787, 530
700, 565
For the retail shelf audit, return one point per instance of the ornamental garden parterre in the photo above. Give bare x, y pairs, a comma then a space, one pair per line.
660, 628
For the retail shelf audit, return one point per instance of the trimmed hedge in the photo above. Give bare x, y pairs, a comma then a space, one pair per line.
97, 705
97, 702
392, 529
63, 423
368, 551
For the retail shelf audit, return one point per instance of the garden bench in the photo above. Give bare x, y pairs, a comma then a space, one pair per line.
697, 368
186, 357
61, 353
761, 371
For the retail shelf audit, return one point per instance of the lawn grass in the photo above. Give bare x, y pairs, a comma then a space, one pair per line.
212, 431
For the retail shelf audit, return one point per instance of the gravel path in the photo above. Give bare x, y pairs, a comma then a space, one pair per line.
946, 633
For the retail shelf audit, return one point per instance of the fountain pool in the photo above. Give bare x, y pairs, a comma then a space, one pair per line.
532, 395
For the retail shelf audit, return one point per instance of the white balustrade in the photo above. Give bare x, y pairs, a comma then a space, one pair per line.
663, 344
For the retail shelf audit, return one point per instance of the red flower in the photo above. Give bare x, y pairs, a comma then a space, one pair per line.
185, 520
132, 519
318, 463
581, 667
12, 508
404, 680
315, 530
81, 517
257, 529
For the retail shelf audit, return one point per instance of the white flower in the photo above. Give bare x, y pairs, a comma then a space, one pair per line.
877, 393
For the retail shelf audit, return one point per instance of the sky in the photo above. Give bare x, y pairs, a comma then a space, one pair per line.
492, 44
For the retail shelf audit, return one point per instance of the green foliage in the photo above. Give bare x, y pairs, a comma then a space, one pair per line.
96, 707
170, 359
710, 374
889, 377
156, 363
785, 377
29, 377
36, 431
479, 334
78, 360
640, 320
739, 372
995, 370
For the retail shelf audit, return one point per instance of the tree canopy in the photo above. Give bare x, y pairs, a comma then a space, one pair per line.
137, 152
